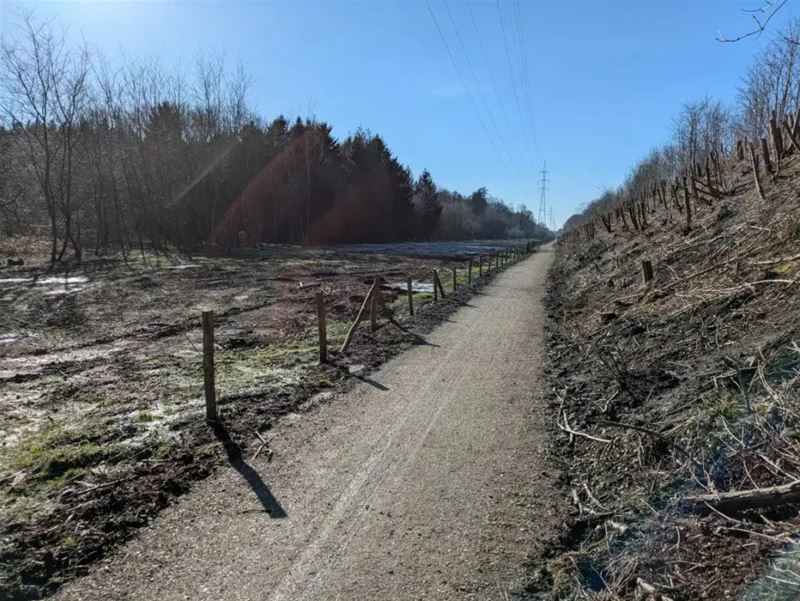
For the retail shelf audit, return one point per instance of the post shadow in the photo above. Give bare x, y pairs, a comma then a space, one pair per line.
268, 501
418, 340
367, 380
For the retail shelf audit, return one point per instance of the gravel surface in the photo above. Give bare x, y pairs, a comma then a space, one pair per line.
428, 480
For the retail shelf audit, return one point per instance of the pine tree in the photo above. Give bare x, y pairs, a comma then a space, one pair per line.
427, 204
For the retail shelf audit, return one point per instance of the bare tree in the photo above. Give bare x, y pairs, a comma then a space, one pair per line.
772, 83
44, 91
701, 128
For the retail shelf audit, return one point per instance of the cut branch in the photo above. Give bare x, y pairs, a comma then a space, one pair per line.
742, 500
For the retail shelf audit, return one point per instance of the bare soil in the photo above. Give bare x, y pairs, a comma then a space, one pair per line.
101, 409
692, 385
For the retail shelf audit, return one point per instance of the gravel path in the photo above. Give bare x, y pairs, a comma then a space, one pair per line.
427, 481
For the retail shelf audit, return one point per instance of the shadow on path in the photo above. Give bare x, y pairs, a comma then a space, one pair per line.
367, 380
268, 501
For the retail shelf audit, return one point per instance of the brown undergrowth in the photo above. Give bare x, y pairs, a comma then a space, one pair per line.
687, 385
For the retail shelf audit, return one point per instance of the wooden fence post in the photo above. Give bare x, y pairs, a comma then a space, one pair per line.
647, 271
469, 272
323, 328
351, 332
480, 266
376, 305
497, 261
455, 281
435, 286
410, 288
208, 365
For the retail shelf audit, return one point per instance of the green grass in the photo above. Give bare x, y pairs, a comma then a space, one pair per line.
54, 453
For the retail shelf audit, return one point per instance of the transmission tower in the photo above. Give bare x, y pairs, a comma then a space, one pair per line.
552, 220
543, 183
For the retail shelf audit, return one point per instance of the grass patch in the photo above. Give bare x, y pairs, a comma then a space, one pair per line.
55, 453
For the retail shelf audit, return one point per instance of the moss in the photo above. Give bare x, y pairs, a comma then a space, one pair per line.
730, 410
783, 268
55, 454
145, 416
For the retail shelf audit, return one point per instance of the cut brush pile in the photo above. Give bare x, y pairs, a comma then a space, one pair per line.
675, 373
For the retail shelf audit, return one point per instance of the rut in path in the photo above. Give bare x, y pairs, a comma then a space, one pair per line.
428, 480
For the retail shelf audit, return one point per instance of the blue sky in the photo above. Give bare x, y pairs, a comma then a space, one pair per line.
605, 78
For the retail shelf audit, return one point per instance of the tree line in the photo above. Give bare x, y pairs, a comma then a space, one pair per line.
134, 156
706, 129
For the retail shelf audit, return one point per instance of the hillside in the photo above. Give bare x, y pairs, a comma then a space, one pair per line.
686, 385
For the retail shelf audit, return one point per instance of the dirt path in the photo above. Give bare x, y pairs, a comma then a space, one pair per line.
426, 481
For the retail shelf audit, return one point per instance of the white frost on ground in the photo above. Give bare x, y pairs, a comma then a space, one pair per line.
64, 280
415, 286
66, 284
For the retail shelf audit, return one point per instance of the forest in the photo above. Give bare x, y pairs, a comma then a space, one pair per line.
708, 129
118, 156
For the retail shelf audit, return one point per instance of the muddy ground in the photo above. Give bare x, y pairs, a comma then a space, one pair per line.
101, 408
687, 385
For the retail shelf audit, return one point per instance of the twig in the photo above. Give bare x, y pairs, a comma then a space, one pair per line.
566, 428
104, 485
263, 444
760, 25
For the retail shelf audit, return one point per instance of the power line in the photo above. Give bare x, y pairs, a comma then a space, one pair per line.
526, 78
513, 79
488, 68
480, 89
469, 94
543, 183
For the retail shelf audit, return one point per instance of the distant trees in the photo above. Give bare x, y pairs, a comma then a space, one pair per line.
427, 205
481, 216
479, 200
457, 221
138, 156
701, 128
44, 95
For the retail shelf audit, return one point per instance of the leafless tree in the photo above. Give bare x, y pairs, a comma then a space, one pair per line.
772, 83
701, 128
44, 89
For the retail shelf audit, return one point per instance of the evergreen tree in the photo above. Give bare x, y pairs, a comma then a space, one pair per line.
427, 204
